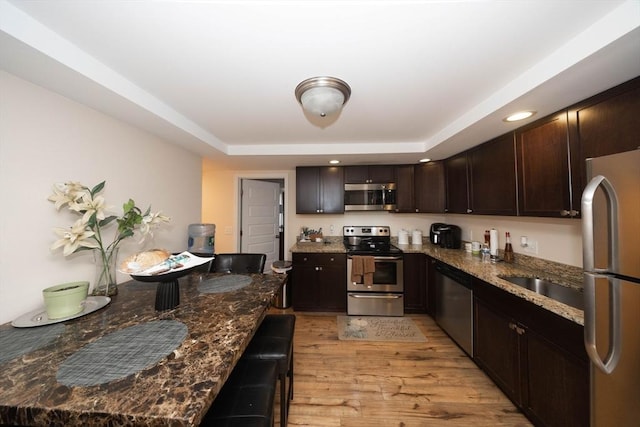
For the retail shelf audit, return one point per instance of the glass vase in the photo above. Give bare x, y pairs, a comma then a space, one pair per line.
105, 279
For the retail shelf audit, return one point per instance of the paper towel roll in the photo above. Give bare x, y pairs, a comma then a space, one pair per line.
493, 241
416, 237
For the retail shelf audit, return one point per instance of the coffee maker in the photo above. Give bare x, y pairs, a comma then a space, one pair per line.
445, 235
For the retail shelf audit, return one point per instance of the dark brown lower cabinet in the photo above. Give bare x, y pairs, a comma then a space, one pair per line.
320, 282
415, 286
533, 355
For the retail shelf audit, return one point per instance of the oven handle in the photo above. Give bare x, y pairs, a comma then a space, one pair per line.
375, 296
382, 258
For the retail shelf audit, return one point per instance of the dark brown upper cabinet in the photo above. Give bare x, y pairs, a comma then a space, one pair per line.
457, 184
492, 172
377, 174
545, 187
604, 124
405, 199
429, 188
319, 190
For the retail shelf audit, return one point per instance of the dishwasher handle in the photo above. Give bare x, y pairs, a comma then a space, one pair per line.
453, 273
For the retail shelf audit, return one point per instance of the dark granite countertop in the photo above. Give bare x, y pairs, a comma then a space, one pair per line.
177, 391
472, 264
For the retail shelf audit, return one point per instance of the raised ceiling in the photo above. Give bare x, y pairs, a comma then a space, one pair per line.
428, 78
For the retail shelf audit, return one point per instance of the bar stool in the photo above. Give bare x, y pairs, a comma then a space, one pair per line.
247, 397
274, 341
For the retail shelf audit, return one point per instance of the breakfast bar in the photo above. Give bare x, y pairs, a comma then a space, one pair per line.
211, 327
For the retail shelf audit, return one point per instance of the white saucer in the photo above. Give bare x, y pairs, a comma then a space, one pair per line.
39, 317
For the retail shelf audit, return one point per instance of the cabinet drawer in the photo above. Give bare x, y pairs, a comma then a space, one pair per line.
319, 259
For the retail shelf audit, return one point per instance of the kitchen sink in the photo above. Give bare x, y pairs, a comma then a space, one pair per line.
560, 293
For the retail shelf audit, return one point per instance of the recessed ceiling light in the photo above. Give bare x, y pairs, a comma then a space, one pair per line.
424, 160
334, 162
520, 115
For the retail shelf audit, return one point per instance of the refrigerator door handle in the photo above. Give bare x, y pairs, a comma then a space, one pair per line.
613, 355
588, 246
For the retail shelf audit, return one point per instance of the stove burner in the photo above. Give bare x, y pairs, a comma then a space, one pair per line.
372, 240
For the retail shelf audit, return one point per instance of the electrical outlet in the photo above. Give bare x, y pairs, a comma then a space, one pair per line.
228, 230
532, 247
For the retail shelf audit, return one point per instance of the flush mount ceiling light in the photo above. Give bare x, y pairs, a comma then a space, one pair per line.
322, 96
520, 115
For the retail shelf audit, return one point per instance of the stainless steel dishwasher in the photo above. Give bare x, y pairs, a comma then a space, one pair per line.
454, 305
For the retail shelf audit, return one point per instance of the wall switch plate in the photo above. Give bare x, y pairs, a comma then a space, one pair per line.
532, 247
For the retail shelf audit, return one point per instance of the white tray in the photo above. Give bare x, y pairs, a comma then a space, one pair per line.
39, 317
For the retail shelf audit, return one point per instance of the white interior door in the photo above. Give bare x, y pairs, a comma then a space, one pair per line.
260, 214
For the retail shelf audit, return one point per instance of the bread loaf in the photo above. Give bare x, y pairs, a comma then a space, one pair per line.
144, 260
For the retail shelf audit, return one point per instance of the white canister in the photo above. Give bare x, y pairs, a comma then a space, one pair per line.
403, 237
416, 237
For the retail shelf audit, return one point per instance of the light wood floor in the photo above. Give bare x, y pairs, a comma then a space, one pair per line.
367, 384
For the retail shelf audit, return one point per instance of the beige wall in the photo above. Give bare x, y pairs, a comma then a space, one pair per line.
46, 138
219, 204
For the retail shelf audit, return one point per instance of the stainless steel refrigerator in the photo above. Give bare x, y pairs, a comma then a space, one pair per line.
611, 258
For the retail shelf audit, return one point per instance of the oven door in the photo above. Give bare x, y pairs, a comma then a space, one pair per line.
388, 276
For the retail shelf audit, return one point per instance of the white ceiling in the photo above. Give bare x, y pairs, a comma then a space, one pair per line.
428, 78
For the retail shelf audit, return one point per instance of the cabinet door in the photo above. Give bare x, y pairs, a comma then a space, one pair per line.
332, 283
378, 174
404, 196
496, 349
557, 390
415, 287
606, 124
321, 282
492, 169
356, 174
382, 174
543, 168
332, 189
307, 190
457, 199
429, 187
305, 276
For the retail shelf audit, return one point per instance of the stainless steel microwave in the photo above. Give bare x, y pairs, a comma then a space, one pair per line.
370, 197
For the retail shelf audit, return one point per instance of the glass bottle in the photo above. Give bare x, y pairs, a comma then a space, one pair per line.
508, 249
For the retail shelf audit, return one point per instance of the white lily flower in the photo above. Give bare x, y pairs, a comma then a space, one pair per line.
74, 237
153, 220
66, 193
89, 206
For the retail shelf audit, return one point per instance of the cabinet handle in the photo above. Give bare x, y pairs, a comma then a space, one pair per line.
575, 213
518, 329
469, 210
318, 268
565, 213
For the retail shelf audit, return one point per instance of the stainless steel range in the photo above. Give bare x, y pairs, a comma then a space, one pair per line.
375, 279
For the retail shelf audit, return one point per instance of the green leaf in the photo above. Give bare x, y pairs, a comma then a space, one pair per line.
107, 220
128, 206
98, 188
92, 221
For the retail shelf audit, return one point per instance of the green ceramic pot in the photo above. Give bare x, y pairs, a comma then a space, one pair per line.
65, 300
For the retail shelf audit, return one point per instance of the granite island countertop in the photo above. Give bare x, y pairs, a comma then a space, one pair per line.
176, 391
524, 265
